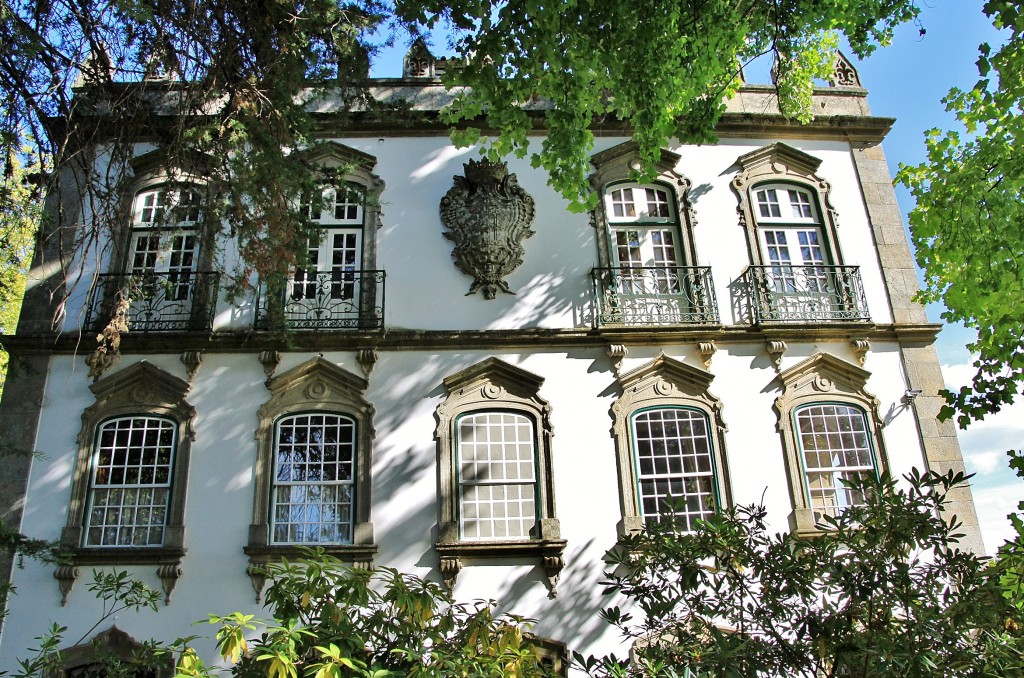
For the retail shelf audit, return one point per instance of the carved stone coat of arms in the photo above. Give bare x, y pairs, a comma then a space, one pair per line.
487, 215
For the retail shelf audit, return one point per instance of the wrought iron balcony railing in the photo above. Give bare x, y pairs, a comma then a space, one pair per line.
650, 295
325, 300
799, 293
154, 301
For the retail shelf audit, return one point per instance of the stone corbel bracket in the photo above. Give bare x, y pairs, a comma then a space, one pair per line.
707, 351
191, 360
776, 349
547, 551
860, 346
616, 353
65, 576
169, 575
367, 358
270, 360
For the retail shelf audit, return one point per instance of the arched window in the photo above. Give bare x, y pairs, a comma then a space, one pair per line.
130, 482
313, 489
129, 490
647, 272
669, 440
835, 447
830, 433
675, 467
338, 286
314, 457
497, 476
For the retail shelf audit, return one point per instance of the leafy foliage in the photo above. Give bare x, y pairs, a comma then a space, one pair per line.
654, 70
332, 621
966, 226
20, 206
882, 591
231, 87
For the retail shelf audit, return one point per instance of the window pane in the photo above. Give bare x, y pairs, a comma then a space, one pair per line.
130, 483
834, 447
497, 476
675, 471
312, 501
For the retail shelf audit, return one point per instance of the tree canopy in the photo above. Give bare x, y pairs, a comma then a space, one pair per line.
239, 74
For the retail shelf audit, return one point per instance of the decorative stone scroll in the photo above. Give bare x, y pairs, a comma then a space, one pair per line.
843, 72
487, 215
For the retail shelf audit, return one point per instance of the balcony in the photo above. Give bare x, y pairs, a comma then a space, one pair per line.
651, 295
324, 300
806, 293
154, 301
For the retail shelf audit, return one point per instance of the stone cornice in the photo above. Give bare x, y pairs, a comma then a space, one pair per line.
402, 339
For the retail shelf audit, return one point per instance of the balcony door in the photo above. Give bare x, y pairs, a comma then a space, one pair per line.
798, 276
647, 258
161, 267
327, 290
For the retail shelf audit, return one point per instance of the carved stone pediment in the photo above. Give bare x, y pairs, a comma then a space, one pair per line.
487, 215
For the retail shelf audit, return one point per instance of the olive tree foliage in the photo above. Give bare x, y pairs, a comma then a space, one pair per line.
883, 590
230, 83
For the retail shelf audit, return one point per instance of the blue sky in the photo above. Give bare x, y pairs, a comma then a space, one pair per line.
907, 81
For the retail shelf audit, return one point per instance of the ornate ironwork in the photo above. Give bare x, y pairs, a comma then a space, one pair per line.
651, 295
488, 215
157, 302
797, 293
325, 300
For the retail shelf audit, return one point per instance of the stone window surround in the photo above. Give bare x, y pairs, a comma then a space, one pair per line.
113, 641
663, 383
495, 385
315, 386
151, 171
357, 168
777, 164
822, 378
615, 166
146, 390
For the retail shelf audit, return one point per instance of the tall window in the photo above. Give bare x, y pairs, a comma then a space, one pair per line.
497, 476
644, 226
334, 259
130, 484
496, 484
835, 447
791, 236
675, 466
831, 433
164, 240
314, 480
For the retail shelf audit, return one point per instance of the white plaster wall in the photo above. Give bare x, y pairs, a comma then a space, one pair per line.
405, 388
552, 287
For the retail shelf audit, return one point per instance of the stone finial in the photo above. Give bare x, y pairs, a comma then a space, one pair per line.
843, 72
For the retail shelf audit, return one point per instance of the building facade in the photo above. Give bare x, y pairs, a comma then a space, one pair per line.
475, 385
